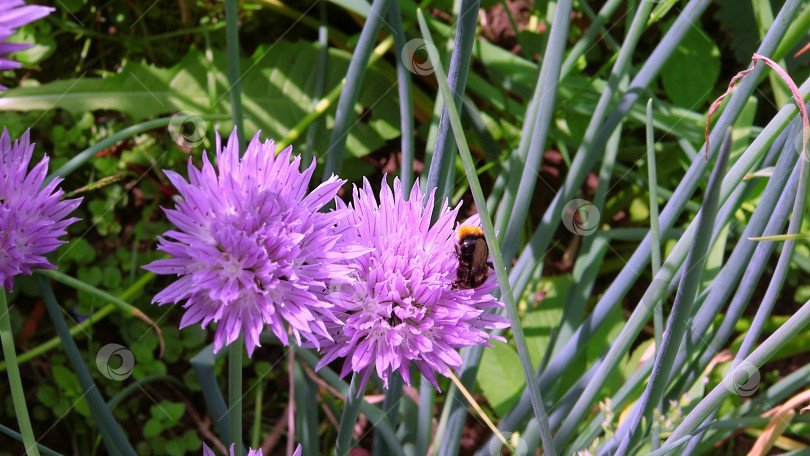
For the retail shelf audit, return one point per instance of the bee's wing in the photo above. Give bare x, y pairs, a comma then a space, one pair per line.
480, 254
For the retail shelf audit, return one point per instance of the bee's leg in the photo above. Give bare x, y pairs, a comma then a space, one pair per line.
489, 263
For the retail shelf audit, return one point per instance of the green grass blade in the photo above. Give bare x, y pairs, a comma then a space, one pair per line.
591, 255
90, 321
138, 384
256, 430
320, 82
439, 173
124, 307
770, 216
393, 395
763, 15
796, 32
427, 396
441, 169
349, 418
775, 284
760, 355
15, 383
326, 102
354, 81
638, 261
235, 393
16, 436
234, 75
113, 435
655, 258
780, 273
203, 364
306, 411
489, 232
405, 99
596, 27
783, 237
681, 309
374, 414
548, 80
85, 155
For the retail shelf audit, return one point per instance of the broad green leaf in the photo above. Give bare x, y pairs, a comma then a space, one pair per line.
66, 380
46, 394
69, 384
168, 412
152, 428
192, 442
38, 35
740, 26
111, 277
500, 377
682, 83
277, 85
639, 210
176, 447
546, 316
90, 275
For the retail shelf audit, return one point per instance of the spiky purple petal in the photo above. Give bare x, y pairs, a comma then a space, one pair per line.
401, 306
31, 216
251, 247
15, 14
251, 452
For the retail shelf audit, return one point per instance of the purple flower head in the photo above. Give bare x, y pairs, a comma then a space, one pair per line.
250, 246
15, 14
31, 216
251, 452
402, 306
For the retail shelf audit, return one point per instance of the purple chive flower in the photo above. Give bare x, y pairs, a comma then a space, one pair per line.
402, 306
251, 247
251, 452
15, 14
31, 217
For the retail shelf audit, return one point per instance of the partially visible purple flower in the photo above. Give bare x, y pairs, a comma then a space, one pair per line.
31, 217
402, 307
251, 452
251, 247
15, 14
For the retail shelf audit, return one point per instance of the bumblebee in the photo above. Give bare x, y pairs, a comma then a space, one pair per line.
472, 252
